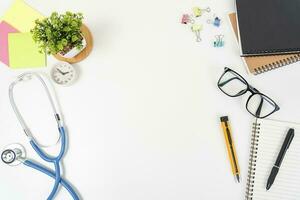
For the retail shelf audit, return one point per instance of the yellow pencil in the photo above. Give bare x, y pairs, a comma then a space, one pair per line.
230, 148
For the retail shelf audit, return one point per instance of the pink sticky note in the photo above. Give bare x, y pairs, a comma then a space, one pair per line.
5, 29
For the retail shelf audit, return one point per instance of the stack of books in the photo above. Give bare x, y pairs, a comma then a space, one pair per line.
268, 33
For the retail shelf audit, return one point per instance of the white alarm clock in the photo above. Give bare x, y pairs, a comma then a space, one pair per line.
63, 73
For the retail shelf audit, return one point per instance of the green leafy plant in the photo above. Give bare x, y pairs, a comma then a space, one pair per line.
58, 33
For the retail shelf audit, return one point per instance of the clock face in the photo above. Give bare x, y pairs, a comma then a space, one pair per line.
63, 73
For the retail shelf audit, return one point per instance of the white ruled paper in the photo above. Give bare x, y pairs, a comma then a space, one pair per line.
287, 183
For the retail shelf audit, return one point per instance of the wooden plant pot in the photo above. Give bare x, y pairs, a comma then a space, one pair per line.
85, 52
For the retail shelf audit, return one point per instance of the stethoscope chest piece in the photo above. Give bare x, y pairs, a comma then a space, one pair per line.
13, 154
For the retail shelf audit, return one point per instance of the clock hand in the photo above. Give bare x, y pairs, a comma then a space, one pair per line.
59, 71
64, 73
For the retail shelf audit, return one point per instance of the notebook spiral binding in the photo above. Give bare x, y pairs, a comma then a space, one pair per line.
277, 64
252, 160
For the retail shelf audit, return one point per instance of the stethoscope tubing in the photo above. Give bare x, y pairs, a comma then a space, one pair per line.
16, 110
46, 157
50, 173
54, 160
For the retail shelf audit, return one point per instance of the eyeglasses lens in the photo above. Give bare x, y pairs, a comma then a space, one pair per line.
232, 84
260, 105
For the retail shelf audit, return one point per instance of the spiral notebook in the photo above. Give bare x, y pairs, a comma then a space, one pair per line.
260, 64
267, 138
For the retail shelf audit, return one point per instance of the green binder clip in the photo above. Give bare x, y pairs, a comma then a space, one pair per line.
219, 42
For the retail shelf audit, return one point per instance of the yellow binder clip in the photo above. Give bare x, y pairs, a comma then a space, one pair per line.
197, 28
198, 11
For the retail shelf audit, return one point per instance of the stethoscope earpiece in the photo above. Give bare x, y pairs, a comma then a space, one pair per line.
25, 77
13, 154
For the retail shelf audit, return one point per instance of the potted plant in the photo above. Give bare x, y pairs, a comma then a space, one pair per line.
60, 34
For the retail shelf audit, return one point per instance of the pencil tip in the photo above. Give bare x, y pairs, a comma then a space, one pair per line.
237, 178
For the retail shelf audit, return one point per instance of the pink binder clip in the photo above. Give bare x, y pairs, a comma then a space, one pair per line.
186, 19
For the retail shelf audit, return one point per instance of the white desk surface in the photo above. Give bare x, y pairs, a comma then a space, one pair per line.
143, 118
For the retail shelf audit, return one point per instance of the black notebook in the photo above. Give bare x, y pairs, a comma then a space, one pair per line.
269, 26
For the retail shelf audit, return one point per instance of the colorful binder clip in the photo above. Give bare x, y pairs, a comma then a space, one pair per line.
198, 11
186, 19
219, 42
216, 22
197, 28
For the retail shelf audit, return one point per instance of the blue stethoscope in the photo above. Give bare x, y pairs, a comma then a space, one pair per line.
15, 154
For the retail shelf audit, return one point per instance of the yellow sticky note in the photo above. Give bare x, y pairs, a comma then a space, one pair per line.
24, 52
21, 16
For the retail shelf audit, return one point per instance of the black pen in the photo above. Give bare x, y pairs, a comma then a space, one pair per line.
286, 144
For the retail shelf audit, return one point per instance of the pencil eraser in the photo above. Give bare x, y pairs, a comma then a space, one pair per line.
224, 119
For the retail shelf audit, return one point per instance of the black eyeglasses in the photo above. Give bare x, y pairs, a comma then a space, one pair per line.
233, 84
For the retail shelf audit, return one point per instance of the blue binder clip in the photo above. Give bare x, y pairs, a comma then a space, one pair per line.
216, 21
219, 42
